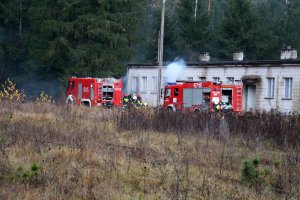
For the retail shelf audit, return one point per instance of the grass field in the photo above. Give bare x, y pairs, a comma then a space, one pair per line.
52, 151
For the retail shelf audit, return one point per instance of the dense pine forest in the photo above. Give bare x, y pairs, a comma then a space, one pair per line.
43, 42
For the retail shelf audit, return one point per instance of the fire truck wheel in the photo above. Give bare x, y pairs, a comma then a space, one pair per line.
170, 109
197, 111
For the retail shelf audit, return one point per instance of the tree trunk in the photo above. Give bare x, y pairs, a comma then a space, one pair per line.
20, 16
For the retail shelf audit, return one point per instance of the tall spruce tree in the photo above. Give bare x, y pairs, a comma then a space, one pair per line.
146, 46
150, 28
12, 51
266, 39
193, 22
243, 29
291, 29
237, 28
171, 37
85, 38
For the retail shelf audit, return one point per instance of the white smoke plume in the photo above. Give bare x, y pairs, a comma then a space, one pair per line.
174, 70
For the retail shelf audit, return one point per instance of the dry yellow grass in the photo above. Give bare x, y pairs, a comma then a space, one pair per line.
82, 156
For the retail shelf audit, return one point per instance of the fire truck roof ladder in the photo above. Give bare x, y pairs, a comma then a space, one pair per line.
184, 81
239, 96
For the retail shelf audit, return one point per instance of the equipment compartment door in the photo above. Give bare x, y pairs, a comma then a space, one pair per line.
192, 96
187, 97
197, 96
79, 91
92, 92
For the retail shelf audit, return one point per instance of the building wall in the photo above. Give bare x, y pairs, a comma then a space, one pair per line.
238, 72
149, 96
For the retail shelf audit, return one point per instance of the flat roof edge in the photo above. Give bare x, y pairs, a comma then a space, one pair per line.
218, 63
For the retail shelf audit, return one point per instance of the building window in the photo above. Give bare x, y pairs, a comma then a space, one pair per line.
144, 84
168, 93
288, 83
202, 78
190, 78
271, 86
216, 79
230, 79
134, 84
154, 84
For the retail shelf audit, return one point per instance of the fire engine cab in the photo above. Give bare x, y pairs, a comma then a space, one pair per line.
94, 91
203, 96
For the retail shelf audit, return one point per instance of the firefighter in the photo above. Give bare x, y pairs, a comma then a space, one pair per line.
130, 98
134, 100
217, 106
125, 100
139, 99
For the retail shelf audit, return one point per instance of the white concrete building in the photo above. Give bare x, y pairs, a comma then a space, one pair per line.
268, 84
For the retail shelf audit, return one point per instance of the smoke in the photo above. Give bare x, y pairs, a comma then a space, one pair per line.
174, 70
124, 84
33, 87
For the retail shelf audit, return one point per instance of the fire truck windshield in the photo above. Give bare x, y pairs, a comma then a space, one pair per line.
167, 93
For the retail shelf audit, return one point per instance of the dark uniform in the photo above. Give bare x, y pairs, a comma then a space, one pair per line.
125, 99
139, 99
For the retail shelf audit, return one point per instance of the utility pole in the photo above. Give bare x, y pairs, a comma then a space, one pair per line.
161, 53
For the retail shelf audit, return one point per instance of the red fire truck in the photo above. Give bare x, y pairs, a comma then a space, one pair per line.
94, 91
203, 96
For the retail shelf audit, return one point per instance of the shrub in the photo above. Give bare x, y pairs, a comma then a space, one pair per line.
10, 92
273, 126
28, 176
251, 174
277, 164
44, 98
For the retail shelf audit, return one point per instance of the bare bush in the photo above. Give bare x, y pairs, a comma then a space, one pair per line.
282, 128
